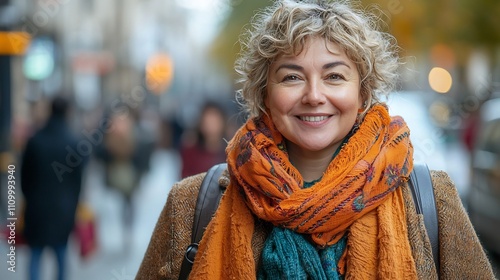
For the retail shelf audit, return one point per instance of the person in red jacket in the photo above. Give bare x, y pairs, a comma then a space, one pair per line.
204, 146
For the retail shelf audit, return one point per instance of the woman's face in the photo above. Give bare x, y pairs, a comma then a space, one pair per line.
314, 97
212, 123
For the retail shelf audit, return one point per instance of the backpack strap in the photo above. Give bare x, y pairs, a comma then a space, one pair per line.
422, 191
208, 200
210, 193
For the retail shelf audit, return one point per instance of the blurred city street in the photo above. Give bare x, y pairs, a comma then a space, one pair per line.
152, 98
114, 258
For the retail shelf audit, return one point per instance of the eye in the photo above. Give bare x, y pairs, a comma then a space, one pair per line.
335, 77
291, 77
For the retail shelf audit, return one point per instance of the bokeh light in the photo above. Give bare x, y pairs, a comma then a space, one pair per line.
440, 80
159, 72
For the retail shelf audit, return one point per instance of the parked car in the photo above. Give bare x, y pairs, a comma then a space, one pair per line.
484, 195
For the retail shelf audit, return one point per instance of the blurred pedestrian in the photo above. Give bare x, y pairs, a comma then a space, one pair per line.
204, 146
167, 154
125, 153
51, 177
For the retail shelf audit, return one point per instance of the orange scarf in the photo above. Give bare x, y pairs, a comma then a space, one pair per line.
358, 193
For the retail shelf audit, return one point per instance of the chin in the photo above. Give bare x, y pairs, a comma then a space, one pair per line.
314, 147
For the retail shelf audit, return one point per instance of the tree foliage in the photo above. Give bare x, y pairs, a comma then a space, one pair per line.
462, 25
226, 46
418, 25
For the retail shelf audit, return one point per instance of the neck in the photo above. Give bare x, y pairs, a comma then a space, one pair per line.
310, 164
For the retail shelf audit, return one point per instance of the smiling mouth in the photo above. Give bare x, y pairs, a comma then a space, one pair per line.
313, 118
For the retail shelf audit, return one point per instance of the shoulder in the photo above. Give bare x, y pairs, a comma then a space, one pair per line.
448, 201
172, 233
187, 186
444, 188
461, 252
441, 177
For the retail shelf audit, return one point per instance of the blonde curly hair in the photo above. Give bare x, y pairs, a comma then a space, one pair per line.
284, 27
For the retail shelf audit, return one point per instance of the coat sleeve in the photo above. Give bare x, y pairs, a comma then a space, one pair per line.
172, 233
461, 253
27, 167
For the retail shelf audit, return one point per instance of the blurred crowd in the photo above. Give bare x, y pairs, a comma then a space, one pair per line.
64, 153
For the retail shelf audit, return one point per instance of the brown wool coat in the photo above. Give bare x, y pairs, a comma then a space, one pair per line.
461, 254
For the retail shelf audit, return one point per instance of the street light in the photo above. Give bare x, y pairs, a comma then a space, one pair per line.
440, 80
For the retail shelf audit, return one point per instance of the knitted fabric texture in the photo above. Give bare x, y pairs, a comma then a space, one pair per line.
359, 191
288, 255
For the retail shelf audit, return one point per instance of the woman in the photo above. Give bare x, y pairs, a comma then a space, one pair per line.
204, 146
318, 175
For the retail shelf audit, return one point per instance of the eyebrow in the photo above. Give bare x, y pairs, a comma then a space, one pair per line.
335, 64
289, 66
300, 68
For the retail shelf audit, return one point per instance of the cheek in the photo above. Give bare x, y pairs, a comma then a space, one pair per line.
275, 104
348, 105
357, 101
277, 112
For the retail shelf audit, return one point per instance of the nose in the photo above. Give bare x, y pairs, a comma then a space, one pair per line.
313, 94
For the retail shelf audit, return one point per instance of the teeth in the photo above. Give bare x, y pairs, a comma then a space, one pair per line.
313, 118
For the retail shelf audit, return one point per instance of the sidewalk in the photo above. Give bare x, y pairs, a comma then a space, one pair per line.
113, 260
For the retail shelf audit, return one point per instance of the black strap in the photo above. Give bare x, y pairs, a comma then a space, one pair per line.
206, 204
210, 193
425, 203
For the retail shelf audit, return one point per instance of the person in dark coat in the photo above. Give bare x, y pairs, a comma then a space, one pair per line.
51, 177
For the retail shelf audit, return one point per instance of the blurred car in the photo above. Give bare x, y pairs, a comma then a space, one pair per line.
484, 194
432, 145
428, 140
